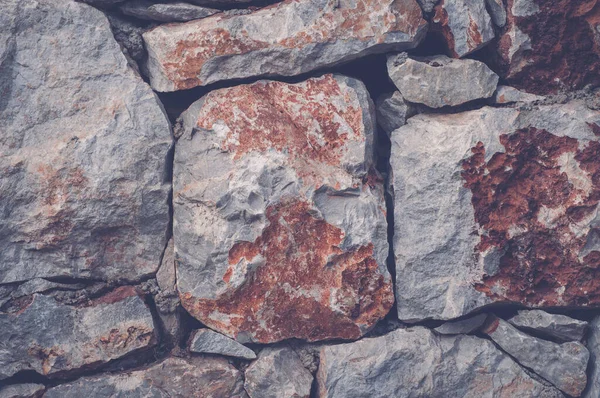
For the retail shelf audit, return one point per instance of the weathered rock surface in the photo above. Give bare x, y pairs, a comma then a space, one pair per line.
53, 339
415, 362
278, 372
462, 242
83, 149
563, 365
285, 39
556, 326
497, 12
465, 24
439, 81
392, 111
549, 46
464, 326
593, 345
168, 12
507, 95
279, 222
29, 390
173, 377
210, 342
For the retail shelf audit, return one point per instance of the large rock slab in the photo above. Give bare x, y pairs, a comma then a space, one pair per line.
418, 363
439, 81
496, 205
549, 46
465, 25
556, 326
278, 372
173, 377
83, 149
54, 339
279, 222
563, 365
210, 342
285, 39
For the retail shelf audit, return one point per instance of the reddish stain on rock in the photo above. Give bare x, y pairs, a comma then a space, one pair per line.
565, 41
312, 122
306, 285
534, 203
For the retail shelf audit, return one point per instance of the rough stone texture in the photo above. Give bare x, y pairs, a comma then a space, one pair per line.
556, 326
29, 390
279, 221
593, 345
508, 95
548, 45
464, 326
496, 205
171, 378
392, 111
418, 363
278, 372
439, 81
465, 25
54, 339
288, 38
563, 365
497, 12
427, 5
210, 342
169, 12
82, 152
128, 33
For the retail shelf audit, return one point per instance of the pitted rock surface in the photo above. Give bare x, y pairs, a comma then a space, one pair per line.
563, 365
278, 372
83, 149
465, 25
415, 362
496, 205
280, 226
173, 377
285, 39
54, 339
556, 326
548, 46
441, 81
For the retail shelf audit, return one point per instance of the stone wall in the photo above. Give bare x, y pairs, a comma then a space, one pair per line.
299, 198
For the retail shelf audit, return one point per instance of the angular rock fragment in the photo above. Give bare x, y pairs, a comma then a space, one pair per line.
173, 377
168, 12
497, 12
278, 372
29, 390
415, 362
464, 326
392, 111
427, 5
563, 365
280, 228
83, 150
551, 46
556, 326
209, 342
53, 339
439, 81
496, 205
465, 24
507, 95
593, 345
285, 39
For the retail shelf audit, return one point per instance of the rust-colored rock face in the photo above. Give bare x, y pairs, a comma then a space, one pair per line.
534, 202
287, 38
295, 246
553, 45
